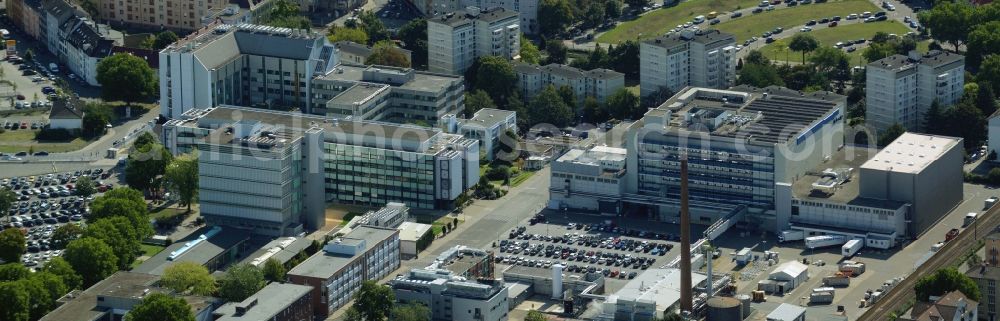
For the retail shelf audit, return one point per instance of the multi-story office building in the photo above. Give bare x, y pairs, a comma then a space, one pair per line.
900, 89
527, 9
451, 297
275, 302
488, 126
247, 65
386, 93
336, 273
598, 83
739, 143
591, 179
359, 162
456, 39
113, 297
703, 58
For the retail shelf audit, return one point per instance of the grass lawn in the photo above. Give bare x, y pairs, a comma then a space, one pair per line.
12, 141
830, 36
521, 176
659, 21
167, 211
148, 250
757, 24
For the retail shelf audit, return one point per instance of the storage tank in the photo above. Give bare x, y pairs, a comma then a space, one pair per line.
557, 281
745, 303
724, 309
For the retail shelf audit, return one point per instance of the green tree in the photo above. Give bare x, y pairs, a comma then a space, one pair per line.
625, 59
890, 134
495, 75
983, 41
672, 317
14, 302
624, 104
557, 52
144, 139
557, 15
592, 111
876, 51
54, 285
118, 233
968, 122
241, 281
40, 299
352, 314
273, 270
826, 59
759, 76
756, 57
161, 307
613, 9
356, 35
414, 37
986, 100
567, 95
595, 14
637, 4
65, 234
285, 14
164, 39
373, 301
126, 78
188, 278
7, 199
410, 312
387, 54
948, 21
373, 27
529, 52
496, 173
125, 202
535, 315
943, 281
934, 119
145, 164
598, 58
95, 119
804, 43
85, 186
12, 245
92, 259
13, 272
476, 100
989, 71
549, 108
182, 174
64, 271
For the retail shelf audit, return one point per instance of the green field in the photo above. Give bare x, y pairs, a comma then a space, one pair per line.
756, 24
12, 141
830, 36
659, 21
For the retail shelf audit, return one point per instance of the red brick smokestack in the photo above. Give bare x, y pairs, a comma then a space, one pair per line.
687, 300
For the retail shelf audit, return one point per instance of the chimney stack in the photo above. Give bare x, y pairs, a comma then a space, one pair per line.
687, 300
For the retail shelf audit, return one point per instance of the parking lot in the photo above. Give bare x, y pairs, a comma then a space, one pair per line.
46, 202
32, 82
590, 245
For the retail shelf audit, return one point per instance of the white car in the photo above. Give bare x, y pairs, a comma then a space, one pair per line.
805, 29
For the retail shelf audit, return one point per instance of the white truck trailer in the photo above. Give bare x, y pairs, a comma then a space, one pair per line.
791, 235
814, 242
851, 247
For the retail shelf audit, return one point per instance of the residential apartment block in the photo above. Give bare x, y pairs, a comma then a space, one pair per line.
451, 297
362, 163
987, 277
456, 39
598, 83
183, 14
28, 15
703, 58
336, 272
84, 44
527, 9
487, 126
900, 89
247, 65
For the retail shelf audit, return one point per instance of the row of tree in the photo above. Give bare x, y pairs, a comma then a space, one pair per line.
151, 166
367, 29
961, 23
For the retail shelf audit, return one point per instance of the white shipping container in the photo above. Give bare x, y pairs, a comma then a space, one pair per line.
813, 242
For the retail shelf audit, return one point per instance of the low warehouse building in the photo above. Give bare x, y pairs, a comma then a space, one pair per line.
785, 277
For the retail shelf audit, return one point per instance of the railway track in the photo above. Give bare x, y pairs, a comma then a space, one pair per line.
961, 244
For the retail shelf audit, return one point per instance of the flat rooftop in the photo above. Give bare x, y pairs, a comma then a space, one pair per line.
911, 153
201, 253
846, 161
360, 93
324, 265
488, 117
422, 81
700, 36
271, 300
933, 58
595, 155
657, 285
412, 231
462, 17
765, 115
281, 249
123, 284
